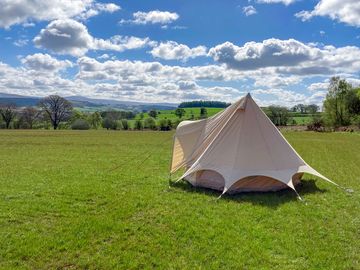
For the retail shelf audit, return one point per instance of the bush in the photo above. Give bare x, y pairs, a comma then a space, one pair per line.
109, 123
176, 123
119, 125
150, 123
125, 124
80, 124
316, 124
138, 125
165, 125
356, 120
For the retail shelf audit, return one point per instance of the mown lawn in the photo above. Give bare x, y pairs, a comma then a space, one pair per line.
62, 207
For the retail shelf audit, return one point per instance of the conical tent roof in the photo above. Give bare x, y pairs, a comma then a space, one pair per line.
238, 146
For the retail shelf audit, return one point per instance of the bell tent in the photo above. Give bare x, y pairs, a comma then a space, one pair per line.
237, 150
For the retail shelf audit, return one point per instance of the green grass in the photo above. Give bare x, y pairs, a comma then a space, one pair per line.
170, 114
302, 120
61, 207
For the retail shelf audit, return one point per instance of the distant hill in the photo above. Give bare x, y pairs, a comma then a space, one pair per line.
89, 104
19, 101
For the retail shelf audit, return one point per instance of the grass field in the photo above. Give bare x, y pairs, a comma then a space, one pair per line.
62, 207
170, 114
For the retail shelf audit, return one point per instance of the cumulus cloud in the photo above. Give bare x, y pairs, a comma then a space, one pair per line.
270, 52
346, 11
281, 96
288, 57
276, 81
45, 62
171, 50
318, 86
27, 81
285, 2
124, 80
71, 37
97, 8
25, 11
152, 17
249, 10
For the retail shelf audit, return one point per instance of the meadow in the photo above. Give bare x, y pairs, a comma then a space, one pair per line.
170, 114
101, 200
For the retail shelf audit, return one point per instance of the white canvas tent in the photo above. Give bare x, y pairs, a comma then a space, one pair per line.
237, 150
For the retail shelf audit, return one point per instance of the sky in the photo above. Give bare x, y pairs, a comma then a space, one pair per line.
281, 51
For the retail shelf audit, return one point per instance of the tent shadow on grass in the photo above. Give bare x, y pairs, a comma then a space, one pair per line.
269, 199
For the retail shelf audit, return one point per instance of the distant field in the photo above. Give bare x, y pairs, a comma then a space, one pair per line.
170, 114
63, 207
302, 120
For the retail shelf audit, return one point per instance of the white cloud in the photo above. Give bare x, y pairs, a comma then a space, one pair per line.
355, 82
171, 50
274, 81
318, 86
26, 11
346, 11
288, 57
280, 97
21, 42
285, 2
152, 17
249, 10
104, 56
97, 8
45, 62
270, 52
71, 37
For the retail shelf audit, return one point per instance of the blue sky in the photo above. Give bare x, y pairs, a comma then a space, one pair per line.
282, 51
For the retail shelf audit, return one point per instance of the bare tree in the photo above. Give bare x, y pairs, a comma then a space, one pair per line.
56, 108
7, 112
29, 115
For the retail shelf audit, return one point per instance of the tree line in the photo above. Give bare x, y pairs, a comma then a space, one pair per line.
341, 108
58, 113
203, 103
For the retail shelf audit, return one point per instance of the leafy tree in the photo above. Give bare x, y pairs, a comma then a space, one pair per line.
29, 115
153, 113
138, 125
7, 112
109, 123
95, 120
203, 103
278, 115
117, 115
192, 116
336, 111
80, 124
125, 124
180, 112
312, 108
150, 123
203, 112
352, 102
301, 108
57, 108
